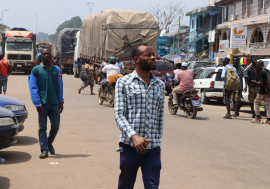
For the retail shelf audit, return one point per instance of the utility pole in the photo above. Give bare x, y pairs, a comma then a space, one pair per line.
36, 24
178, 35
90, 6
3, 16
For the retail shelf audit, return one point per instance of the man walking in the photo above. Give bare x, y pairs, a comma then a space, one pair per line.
120, 65
5, 70
237, 95
226, 93
46, 89
263, 95
138, 112
253, 74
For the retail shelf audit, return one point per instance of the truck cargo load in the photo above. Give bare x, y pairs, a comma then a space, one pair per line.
66, 46
115, 32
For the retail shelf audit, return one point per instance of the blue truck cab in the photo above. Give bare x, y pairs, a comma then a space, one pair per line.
17, 107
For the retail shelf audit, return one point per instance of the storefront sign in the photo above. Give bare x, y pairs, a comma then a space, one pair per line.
238, 37
223, 44
173, 28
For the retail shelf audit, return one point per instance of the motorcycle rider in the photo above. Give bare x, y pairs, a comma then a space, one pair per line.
185, 77
110, 69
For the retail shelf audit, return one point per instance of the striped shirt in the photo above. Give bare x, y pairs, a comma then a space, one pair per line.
139, 109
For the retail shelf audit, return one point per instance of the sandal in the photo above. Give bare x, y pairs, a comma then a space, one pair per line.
256, 121
227, 116
235, 115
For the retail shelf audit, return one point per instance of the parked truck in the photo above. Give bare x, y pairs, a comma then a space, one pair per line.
40, 46
18, 47
115, 32
77, 61
66, 47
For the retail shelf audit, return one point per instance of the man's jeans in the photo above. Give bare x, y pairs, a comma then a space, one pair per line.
51, 111
131, 160
3, 83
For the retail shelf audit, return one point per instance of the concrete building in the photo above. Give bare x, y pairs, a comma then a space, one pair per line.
254, 14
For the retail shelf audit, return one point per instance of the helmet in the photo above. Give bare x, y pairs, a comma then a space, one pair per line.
112, 60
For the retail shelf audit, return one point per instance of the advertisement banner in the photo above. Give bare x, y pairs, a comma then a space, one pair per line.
211, 37
223, 44
173, 28
238, 37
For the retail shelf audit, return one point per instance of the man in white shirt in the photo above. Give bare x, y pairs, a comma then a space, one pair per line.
120, 65
110, 69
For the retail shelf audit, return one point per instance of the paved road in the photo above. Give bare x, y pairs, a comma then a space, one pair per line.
208, 152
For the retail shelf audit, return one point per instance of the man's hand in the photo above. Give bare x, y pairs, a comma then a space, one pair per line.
40, 109
61, 107
140, 143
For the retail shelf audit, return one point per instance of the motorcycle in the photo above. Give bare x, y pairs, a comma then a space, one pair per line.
109, 90
167, 80
189, 102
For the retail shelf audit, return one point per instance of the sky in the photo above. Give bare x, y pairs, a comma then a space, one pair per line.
51, 13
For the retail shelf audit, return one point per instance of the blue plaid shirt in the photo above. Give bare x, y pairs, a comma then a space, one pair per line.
138, 109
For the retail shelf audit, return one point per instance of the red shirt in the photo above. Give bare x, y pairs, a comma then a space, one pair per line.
4, 67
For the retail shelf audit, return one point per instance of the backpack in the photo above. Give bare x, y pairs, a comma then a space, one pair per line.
83, 76
267, 87
232, 81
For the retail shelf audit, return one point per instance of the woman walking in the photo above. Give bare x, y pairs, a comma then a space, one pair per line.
89, 72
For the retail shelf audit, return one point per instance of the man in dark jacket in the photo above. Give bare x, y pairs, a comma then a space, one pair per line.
46, 89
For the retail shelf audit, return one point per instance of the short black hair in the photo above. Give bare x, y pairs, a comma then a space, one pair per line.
135, 50
1, 56
260, 63
236, 57
46, 49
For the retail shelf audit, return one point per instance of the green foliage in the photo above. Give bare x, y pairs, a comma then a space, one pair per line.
4, 28
74, 22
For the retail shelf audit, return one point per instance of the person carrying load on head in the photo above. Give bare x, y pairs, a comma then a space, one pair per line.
110, 69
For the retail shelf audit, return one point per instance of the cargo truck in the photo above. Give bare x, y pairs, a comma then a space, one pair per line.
18, 47
43, 45
66, 47
115, 32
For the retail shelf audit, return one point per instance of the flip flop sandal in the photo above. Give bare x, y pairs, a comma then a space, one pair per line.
255, 121
227, 117
266, 122
235, 115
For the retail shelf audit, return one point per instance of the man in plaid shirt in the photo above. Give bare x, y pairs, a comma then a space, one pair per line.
138, 112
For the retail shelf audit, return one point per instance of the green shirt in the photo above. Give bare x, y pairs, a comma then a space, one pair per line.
47, 84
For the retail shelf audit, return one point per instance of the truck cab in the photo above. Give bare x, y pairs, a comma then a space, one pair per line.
18, 47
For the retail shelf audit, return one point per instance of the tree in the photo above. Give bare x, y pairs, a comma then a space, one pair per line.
167, 14
74, 22
4, 28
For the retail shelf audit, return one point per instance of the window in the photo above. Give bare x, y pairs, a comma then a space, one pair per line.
227, 12
192, 24
261, 2
205, 73
163, 66
244, 6
198, 74
218, 76
18, 46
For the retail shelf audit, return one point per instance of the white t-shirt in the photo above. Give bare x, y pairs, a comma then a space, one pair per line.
104, 64
111, 69
120, 65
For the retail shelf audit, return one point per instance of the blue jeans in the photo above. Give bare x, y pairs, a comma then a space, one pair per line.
131, 160
51, 111
3, 83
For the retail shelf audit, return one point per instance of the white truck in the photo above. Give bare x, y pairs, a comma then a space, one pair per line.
77, 63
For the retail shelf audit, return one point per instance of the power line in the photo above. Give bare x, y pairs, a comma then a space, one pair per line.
90, 6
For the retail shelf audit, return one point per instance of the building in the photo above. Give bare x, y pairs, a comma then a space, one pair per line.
202, 20
253, 14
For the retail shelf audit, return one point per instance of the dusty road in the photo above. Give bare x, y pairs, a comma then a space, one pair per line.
208, 152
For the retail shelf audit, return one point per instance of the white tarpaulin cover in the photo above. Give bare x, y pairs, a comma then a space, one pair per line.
114, 32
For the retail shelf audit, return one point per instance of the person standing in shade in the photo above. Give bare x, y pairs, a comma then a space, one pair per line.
253, 88
237, 95
120, 65
263, 95
46, 89
138, 113
5, 70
